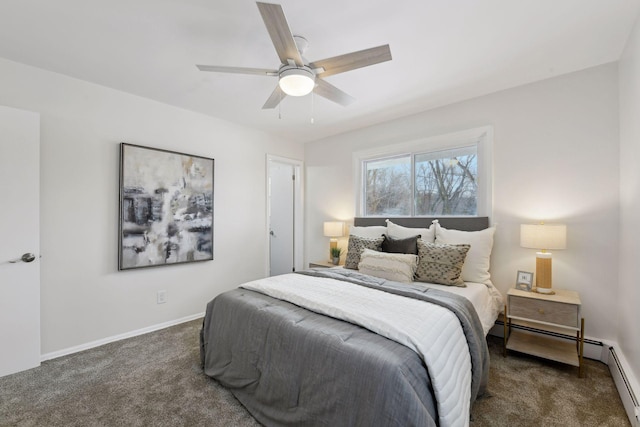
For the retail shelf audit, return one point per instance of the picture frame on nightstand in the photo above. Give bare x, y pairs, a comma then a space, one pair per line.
524, 281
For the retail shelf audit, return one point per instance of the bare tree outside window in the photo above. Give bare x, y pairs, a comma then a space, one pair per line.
388, 186
440, 183
446, 182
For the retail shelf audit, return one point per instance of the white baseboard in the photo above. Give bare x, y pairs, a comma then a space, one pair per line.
103, 341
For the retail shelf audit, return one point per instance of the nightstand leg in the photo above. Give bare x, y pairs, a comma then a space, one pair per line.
581, 352
506, 335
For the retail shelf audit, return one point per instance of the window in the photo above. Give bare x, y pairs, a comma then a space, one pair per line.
387, 186
446, 182
439, 176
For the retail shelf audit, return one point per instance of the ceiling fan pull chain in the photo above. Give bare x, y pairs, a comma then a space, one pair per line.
279, 106
312, 106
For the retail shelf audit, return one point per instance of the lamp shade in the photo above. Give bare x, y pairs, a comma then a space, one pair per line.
543, 236
334, 229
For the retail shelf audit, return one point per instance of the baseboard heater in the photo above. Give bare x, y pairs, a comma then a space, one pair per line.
629, 399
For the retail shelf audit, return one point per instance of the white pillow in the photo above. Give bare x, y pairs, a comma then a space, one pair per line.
396, 231
396, 267
476, 266
368, 232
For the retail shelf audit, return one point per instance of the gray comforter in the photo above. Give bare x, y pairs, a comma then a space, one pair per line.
290, 366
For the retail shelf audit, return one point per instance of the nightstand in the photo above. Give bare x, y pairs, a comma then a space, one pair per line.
557, 314
322, 264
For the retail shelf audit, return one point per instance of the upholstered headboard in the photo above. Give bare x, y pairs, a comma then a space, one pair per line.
464, 223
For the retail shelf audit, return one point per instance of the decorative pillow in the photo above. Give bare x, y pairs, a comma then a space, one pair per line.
399, 232
369, 232
396, 267
401, 246
356, 246
476, 267
442, 264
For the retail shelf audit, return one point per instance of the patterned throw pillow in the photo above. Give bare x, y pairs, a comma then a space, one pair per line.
440, 263
356, 246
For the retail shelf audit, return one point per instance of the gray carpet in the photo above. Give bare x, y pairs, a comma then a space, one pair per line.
156, 380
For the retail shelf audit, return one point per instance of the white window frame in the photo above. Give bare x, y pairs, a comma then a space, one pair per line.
482, 136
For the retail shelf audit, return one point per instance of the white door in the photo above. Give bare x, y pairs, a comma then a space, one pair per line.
281, 218
20, 234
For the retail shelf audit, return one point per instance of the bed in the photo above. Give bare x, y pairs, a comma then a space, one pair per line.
331, 347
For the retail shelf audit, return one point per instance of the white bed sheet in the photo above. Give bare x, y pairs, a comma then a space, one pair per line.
486, 299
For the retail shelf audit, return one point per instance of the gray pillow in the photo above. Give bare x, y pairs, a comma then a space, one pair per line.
441, 263
401, 246
356, 246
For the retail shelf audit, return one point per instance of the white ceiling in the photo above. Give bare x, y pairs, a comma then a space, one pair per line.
443, 51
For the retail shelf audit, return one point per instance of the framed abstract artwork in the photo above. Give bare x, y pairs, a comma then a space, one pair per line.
166, 207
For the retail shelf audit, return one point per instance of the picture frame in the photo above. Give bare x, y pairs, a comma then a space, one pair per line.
165, 207
524, 281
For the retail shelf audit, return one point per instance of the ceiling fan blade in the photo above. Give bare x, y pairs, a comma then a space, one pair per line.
280, 33
274, 99
238, 70
332, 93
353, 60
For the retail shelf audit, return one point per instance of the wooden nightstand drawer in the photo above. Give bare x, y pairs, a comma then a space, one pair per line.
544, 311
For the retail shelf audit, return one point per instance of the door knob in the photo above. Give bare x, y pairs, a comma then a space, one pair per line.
272, 233
28, 257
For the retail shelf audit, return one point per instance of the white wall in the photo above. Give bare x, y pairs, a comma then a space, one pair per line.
555, 158
84, 297
628, 309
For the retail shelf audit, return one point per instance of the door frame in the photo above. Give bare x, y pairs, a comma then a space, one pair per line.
298, 213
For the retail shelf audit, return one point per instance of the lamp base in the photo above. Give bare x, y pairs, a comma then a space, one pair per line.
543, 273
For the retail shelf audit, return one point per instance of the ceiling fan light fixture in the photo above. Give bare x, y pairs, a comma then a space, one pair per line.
297, 81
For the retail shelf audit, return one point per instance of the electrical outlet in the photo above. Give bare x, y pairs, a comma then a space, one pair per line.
162, 297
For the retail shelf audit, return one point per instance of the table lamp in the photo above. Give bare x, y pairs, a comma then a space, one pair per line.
543, 237
333, 229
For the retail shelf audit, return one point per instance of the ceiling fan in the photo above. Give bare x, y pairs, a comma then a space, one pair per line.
297, 76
